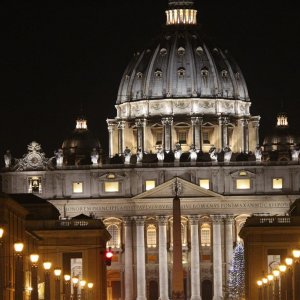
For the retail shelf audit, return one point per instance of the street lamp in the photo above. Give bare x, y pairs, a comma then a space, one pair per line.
265, 286
276, 274
90, 285
2, 255
19, 283
282, 269
57, 273
47, 266
270, 279
259, 284
34, 258
82, 284
67, 286
289, 277
75, 281
296, 274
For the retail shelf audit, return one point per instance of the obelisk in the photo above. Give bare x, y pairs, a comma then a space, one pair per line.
177, 276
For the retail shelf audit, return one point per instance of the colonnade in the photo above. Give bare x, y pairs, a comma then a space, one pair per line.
167, 123
219, 223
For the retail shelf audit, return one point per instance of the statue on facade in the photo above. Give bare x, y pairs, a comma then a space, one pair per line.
94, 156
193, 153
177, 151
258, 153
127, 155
213, 153
7, 159
227, 154
59, 156
295, 154
139, 155
160, 154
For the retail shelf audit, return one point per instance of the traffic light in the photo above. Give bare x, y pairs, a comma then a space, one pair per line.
108, 256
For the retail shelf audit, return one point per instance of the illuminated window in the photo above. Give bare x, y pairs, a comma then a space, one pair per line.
206, 139
150, 184
243, 173
277, 183
77, 187
111, 176
35, 184
114, 231
111, 186
243, 184
151, 236
205, 235
204, 183
182, 137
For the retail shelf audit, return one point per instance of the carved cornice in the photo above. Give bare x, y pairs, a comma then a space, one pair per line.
229, 219
162, 220
217, 219
127, 221
194, 219
139, 220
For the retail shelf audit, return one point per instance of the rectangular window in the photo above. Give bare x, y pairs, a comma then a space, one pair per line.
182, 137
277, 183
35, 184
77, 187
111, 186
150, 184
206, 139
159, 137
204, 183
243, 184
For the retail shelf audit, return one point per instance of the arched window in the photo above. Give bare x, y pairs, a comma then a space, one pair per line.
205, 235
151, 236
114, 231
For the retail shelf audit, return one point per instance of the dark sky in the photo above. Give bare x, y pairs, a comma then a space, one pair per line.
72, 54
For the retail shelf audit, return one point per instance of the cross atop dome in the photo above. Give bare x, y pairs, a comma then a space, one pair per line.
181, 12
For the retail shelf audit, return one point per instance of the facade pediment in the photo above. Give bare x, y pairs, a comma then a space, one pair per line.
186, 190
242, 174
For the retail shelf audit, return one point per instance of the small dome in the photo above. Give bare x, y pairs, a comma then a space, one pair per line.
78, 146
282, 137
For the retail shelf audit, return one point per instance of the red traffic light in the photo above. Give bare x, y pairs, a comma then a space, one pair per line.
108, 256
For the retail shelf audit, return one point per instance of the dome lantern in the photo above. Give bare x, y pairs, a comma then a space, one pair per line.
282, 120
181, 13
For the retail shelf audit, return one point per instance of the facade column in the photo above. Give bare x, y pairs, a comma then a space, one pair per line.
141, 125
197, 132
163, 258
228, 243
110, 127
245, 138
140, 259
195, 260
168, 124
225, 132
256, 124
221, 124
128, 272
217, 257
121, 126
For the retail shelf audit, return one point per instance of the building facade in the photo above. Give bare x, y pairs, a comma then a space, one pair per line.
183, 115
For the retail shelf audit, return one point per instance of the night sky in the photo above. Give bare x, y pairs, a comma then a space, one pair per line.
69, 57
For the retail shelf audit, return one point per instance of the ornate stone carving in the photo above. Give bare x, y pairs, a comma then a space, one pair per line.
194, 219
229, 219
162, 220
217, 219
127, 221
139, 220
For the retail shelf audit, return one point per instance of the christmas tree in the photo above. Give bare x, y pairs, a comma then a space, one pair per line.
236, 279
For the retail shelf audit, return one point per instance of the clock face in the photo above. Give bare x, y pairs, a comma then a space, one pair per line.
33, 159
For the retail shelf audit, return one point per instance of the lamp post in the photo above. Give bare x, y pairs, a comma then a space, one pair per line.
90, 285
289, 278
82, 284
282, 269
1, 263
67, 287
47, 266
75, 281
34, 258
57, 273
19, 282
276, 274
271, 280
265, 288
296, 275
259, 284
